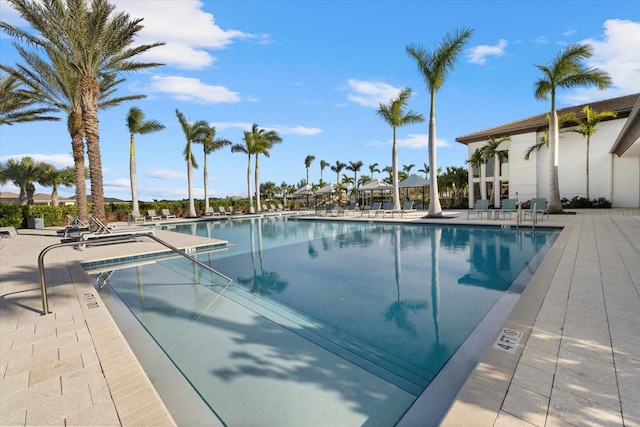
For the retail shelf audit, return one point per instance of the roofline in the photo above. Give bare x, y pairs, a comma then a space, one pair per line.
539, 122
629, 133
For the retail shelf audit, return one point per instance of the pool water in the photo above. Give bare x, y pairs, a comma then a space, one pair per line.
325, 322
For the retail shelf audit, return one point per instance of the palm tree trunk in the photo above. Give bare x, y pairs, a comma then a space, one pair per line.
588, 198
496, 182
251, 210
54, 197
192, 206
434, 203
89, 102
257, 181
134, 175
206, 185
553, 203
394, 164
74, 125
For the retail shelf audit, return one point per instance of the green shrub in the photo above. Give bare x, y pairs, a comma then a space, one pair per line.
10, 215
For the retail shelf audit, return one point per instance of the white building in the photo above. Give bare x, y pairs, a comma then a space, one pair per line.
614, 164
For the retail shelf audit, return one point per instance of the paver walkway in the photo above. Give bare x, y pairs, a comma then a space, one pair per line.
578, 363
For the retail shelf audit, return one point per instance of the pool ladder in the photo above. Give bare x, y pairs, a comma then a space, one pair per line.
114, 239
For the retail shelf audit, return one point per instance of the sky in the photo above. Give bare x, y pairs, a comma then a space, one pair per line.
316, 71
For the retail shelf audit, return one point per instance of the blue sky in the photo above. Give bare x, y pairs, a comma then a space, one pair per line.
316, 71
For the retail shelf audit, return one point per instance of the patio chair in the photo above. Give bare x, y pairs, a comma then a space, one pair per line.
166, 214
375, 207
152, 215
537, 206
328, 210
407, 208
234, 211
223, 211
508, 207
208, 211
387, 208
482, 206
350, 209
135, 217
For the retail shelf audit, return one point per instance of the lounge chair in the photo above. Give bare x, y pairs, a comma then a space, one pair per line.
537, 206
208, 211
350, 209
234, 211
482, 206
508, 207
135, 217
328, 210
407, 208
223, 211
152, 215
166, 214
272, 208
279, 207
387, 208
375, 207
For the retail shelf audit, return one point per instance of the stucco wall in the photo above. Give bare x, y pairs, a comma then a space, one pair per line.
529, 178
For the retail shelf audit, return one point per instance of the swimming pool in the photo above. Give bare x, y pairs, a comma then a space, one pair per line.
326, 322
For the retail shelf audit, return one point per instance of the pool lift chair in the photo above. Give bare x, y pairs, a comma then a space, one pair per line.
102, 231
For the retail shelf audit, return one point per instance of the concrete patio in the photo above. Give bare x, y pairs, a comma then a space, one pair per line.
577, 362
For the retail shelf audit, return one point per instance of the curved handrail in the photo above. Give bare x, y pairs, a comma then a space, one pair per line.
43, 287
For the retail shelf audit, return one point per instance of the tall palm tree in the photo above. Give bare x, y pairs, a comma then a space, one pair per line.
587, 126
355, 168
55, 84
23, 174
491, 150
210, 144
373, 167
337, 168
195, 132
425, 170
137, 124
475, 161
565, 71
54, 178
96, 41
434, 67
389, 170
394, 114
18, 105
263, 141
323, 164
248, 149
307, 164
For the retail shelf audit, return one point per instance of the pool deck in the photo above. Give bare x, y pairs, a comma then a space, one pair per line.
577, 362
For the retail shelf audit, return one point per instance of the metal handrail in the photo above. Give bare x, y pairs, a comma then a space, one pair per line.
114, 239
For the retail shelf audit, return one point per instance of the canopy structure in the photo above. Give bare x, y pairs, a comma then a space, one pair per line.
305, 190
327, 189
375, 185
415, 181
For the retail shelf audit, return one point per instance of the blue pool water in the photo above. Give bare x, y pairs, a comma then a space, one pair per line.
384, 305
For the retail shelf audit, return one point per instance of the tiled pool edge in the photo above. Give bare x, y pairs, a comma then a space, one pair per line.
480, 399
134, 396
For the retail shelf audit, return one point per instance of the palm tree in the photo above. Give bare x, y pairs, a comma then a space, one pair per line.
323, 164
434, 67
54, 178
587, 127
389, 170
263, 141
17, 105
23, 174
565, 71
269, 188
248, 149
337, 168
209, 145
491, 150
137, 125
363, 180
56, 84
393, 113
425, 170
195, 132
543, 140
355, 168
97, 42
407, 168
373, 167
307, 164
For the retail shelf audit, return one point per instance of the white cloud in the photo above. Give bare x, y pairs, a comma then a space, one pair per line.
192, 90
166, 174
478, 54
541, 40
370, 93
185, 28
419, 140
618, 54
569, 32
118, 184
282, 130
58, 160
